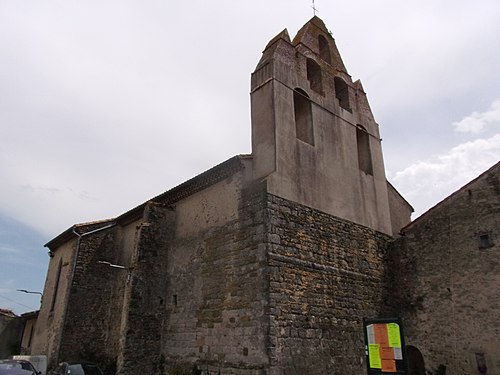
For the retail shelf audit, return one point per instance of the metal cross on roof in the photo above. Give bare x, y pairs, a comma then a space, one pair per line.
314, 8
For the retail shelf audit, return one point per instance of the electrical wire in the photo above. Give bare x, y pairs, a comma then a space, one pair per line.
17, 303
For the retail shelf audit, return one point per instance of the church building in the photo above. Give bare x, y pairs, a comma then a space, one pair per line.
267, 263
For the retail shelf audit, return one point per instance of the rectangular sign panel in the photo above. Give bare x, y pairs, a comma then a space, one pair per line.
384, 346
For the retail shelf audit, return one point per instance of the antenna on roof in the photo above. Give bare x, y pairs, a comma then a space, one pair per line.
314, 8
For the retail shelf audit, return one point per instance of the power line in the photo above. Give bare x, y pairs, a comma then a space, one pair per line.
17, 303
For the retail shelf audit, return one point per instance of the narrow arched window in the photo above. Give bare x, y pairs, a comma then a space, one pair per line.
364, 153
314, 76
324, 49
342, 92
56, 286
303, 116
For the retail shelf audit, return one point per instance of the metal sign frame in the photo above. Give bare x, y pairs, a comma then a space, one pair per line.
385, 346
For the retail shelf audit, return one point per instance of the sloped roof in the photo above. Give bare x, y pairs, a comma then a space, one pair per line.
187, 188
7, 313
494, 169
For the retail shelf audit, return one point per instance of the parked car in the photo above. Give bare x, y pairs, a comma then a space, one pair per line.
76, 368
39, 362
17, 367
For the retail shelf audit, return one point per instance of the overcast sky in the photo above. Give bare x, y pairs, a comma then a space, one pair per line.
104, 104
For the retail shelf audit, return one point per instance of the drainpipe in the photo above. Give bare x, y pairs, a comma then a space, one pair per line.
78, 242
77, 252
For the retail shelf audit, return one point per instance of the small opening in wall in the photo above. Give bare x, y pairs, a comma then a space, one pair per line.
56, 285
245, 351
485, 241
30, 337
324, 49
314, 76
174, 299
342, 93
441, 370
364, 153
303, 116
481, 363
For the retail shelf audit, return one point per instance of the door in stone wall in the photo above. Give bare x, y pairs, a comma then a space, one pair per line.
416, 364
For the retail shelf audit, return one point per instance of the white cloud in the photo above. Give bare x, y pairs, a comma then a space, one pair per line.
477, 122
426, 183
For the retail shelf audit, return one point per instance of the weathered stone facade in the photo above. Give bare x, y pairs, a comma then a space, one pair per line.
445, 273
218, 293
144, 307
87, 286
10, 333
29, 325
326, 274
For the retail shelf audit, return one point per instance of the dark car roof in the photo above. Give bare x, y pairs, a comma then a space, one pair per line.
89, 365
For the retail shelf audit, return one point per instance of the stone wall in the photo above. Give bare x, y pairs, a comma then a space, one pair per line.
95, 303
260, 285
144, 303
326, 274
49, 326
81, 314
217, 288
11, 328
445, 279
282, 289
29, 322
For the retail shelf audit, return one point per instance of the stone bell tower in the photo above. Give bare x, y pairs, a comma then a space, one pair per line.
314, 137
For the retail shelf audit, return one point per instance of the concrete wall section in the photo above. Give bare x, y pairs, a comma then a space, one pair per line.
323, 173
213, 207
263, 129
326, 176
400, 209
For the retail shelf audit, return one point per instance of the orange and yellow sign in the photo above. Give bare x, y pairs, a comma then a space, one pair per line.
384, 346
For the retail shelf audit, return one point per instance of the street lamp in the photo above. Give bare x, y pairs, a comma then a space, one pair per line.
112, 265
30, 292
109, 264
